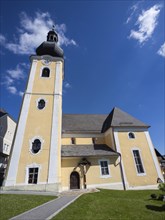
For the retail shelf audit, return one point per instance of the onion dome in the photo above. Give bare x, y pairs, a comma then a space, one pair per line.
50, 46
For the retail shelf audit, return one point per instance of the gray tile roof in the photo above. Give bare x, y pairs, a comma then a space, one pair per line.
2, 112
119, 118
82, 122
87, 150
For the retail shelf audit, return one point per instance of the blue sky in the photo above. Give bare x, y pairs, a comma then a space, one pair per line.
114, 55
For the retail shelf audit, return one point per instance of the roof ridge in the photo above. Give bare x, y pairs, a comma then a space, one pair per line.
120, 118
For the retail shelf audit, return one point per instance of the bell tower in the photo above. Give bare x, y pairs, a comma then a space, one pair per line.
36, 157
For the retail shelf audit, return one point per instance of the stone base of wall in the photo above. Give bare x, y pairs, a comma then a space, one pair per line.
56, 187
118, 186
143, 187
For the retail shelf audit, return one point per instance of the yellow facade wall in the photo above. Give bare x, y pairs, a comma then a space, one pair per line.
109, 139
66, 141
140, 142
83, 140
93, 175
43, 84
39, 124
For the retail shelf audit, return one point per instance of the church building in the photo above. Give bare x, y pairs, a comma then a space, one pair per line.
53, 151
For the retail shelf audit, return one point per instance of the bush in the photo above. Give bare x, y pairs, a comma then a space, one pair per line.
161, 197
153, 196
162, 187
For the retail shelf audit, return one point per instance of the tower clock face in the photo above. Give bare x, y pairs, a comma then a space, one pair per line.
46, 62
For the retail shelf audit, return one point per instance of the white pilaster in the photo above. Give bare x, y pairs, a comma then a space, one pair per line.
17, 144
55, 146
160, 175
122, 164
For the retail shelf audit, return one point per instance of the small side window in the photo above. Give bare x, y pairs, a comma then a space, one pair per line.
104, 168
45, 72
131, 135
33, 175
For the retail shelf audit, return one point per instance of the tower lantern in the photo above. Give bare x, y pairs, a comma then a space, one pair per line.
52, 36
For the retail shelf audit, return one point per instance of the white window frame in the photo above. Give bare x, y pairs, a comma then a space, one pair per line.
138, 174
33, 165
133, 134
42, 70
108, 163
30, 144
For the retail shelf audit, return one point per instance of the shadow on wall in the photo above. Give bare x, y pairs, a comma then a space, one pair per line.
156, 208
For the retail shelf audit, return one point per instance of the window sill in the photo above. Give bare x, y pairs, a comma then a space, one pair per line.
141, 174
105, 176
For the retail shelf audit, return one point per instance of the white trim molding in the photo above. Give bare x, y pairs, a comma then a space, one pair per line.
31, 76
117, 143
46, 61
17, 146
55, 145
160, 175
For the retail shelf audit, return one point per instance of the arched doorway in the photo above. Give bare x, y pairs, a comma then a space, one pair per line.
74, 180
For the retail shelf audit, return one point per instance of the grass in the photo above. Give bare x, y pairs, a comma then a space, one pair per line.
112, 204
12, 205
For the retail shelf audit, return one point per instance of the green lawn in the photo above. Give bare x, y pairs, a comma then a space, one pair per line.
11, 205
112, 204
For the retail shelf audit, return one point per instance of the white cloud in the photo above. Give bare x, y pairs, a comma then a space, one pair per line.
13, 77
18, 72
8, 81
32, 32
20, 93
67, 85
147, 21
2, 39
133, 9
12, 89
161, 51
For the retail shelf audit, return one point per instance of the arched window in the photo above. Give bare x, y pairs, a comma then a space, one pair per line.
94, 140
41, 104
45, 72
131, 135
36, 146
73, 140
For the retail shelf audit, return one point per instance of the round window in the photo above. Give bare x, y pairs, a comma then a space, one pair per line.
36, 146
41, 104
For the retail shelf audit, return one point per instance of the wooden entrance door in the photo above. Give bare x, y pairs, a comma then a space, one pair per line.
74, 180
